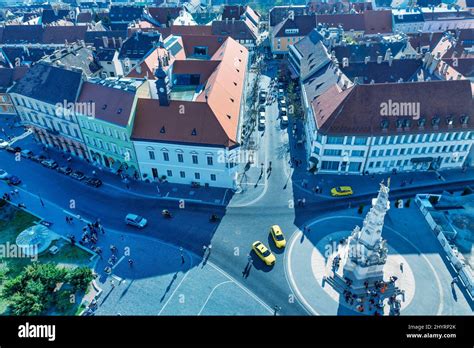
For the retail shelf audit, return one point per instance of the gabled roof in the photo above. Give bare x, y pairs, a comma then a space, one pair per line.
358, 52
121, 13
49, 15
23, 54
214, 114
304, 24
16, 34
111, 104
278, 13
10, 75
405, 69
163, 15
138, 45
61, 34
357, 110
41, 83
371, 22
237, 29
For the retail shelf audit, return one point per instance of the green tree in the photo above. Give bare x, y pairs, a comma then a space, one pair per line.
79, 278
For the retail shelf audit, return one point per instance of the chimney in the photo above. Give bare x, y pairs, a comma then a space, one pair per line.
372, 82
227, 21
388, 54
367, 60
459, 76
233, 20
113, 42
390, 60
379, 59
120, 41
431, 36
345, 62
105, 40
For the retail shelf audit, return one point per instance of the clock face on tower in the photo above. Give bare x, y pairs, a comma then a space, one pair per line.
161, 89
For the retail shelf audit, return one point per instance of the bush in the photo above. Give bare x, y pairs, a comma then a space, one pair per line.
361, 209
63, 301
79, 278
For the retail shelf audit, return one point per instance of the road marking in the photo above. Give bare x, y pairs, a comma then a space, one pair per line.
210, 294
172, 294
120, 260
250, 293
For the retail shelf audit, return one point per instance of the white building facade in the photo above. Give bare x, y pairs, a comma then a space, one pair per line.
187, 164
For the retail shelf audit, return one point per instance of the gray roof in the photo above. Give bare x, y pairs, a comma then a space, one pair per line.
320, 81
49, 84
314, 53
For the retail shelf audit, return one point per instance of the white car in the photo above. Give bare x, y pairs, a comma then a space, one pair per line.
261, 122
3, 144
3, 174
284, 119
135, 220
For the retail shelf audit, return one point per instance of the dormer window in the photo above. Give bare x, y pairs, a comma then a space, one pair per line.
229, 117
449, 120
407, 123
384, 124
104, 107
119, 111
435, 121
399, 123
194, 132
421, 122
163, 130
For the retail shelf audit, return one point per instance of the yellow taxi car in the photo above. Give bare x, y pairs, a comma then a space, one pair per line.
277, 235
263, 253
341, 191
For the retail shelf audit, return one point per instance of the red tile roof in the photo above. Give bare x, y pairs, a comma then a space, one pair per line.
111, 104
357, 109
215, 113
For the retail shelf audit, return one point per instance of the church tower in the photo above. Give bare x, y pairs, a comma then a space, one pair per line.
162, 84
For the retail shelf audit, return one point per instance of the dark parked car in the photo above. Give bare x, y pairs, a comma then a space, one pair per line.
64, 170
13, 180
77, 175
26, 153
49, 164
13, 149
94, 182
38, 158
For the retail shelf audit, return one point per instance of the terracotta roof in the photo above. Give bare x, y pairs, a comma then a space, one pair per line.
237, 29
59, 34
357, 109
371, 22
212, 42
163, 14
191, 30
215, 113
278, 13
111, 104
22, 33
202, 67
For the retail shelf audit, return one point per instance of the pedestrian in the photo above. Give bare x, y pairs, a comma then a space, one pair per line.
130, 262
182, 259
209, 249
102, 229
204, 249
67, 219
42, 203
401, 267
112, 283
303, 201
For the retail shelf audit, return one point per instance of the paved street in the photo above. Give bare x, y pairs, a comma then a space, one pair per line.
159, 284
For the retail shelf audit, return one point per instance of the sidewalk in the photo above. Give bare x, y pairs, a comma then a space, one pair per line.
305, 181
215, 196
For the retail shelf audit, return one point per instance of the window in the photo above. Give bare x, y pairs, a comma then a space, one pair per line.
395, 152
377, 165
360, 141
355, 166
388, 152
210, 161
213, 177
330, 165
151, 154
169, 173
358, 153
332, 152
195, 159
166, 156
180, 157
371, 164
380, 153
182, 174
335, 140
197, 176
417, 150
374, 153
409, 150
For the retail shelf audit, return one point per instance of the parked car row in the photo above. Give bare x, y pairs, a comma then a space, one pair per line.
9, 178
48, 163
